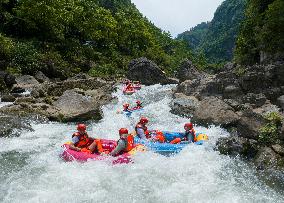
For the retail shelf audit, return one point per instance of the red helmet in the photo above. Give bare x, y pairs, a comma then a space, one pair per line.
126, 105
138, 102
188, 125
123, 131
144, 120
81, 127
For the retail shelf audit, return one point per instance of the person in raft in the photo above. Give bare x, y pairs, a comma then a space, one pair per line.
126, 107
189, 134
82, 142
124, 144
129, 86
138, 105
143, 133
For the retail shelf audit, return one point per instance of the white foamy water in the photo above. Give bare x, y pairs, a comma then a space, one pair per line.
31, 170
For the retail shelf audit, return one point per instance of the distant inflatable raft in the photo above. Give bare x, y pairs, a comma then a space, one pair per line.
170, 148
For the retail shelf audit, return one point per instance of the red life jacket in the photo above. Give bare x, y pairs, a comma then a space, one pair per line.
130, 143
146, 132
84, 140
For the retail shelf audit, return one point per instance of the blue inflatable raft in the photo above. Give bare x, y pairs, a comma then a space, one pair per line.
167, 148
128, 113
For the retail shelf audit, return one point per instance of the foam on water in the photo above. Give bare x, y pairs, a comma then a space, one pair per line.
31, 170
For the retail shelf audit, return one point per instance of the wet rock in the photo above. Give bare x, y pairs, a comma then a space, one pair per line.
39, 76
7, 78
77, 107
235, 146
147, 72
233, 103
184, 105
12, 126
280, 102
80, 76
212, 110
257, 100
266, 158
200, 87
249, 124
278, 149
232, 92
8, 98
187, 71
26, 81
282, 132
253, 82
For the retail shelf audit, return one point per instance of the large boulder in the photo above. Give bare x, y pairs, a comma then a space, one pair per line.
235, 145
256, 100
200, 88
39, 76
74, 106
184, 105
266, 158
249, 124
147, 72
26, 82
6, 80
212, 110
8, 98
280, 102
12, 126
187, 71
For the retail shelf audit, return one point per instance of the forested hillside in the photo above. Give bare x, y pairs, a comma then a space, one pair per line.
216, 39
262, 33
62, 37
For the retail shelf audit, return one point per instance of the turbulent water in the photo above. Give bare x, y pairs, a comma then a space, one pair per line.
31, 170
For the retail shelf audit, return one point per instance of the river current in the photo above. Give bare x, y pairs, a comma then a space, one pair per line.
32, 171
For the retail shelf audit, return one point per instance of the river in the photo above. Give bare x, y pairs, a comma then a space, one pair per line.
32, 171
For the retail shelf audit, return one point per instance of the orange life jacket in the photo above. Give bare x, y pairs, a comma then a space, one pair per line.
130, 143
146, 132
84, 140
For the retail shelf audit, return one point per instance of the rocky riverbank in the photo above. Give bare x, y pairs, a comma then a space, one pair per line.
247, 101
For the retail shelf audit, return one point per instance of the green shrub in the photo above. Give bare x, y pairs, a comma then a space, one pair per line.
269, 133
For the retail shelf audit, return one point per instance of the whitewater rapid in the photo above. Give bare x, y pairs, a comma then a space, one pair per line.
32, 171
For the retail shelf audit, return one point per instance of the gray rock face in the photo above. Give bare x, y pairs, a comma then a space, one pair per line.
74, 106
8, 98
257, 100
280, 102
12, 126
187, 71
26, 80
184, 105
7, 78
266, 158
40, 77
212, 110
232, 92
235, 146
249, 124
278, 149
147, 72
282, 132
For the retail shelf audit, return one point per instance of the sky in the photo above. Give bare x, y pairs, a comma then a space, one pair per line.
177, 16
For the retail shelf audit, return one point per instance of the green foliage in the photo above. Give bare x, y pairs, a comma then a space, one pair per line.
216, 39
25, 58
274, 117
6, 47
96, 36
262, 31
269, 133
